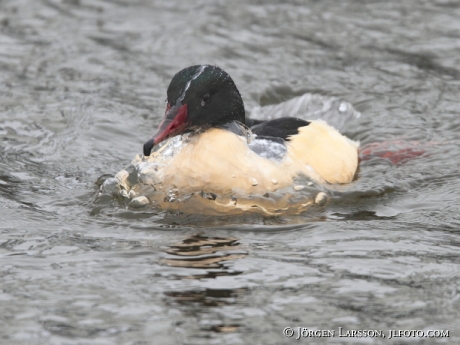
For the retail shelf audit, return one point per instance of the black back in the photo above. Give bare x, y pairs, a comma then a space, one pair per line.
252, 122
279, 128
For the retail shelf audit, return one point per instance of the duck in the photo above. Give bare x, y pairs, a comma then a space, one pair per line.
206, 157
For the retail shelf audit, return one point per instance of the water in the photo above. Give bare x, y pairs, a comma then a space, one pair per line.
83, 85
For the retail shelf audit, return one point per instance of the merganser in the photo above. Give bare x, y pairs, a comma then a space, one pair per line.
208, 158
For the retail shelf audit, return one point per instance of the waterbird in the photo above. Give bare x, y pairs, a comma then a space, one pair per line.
206, 146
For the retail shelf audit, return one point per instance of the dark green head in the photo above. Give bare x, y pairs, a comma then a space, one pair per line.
198, 97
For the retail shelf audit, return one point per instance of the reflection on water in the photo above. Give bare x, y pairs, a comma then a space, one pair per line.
215, 255
200, 251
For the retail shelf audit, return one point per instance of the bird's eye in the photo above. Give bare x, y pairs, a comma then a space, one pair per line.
205, 99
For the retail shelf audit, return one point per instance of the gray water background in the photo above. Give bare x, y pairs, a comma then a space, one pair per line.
82, 86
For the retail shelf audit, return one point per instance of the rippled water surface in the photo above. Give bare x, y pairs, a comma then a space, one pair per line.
82, 86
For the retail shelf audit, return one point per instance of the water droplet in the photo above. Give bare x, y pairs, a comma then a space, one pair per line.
233, 176
203, 103
254, 182
111, 186
343, 107
171, 196
275, 181
210, 196
139, 201
321, 198
132, 194
310, 184
122, 178
299, 187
